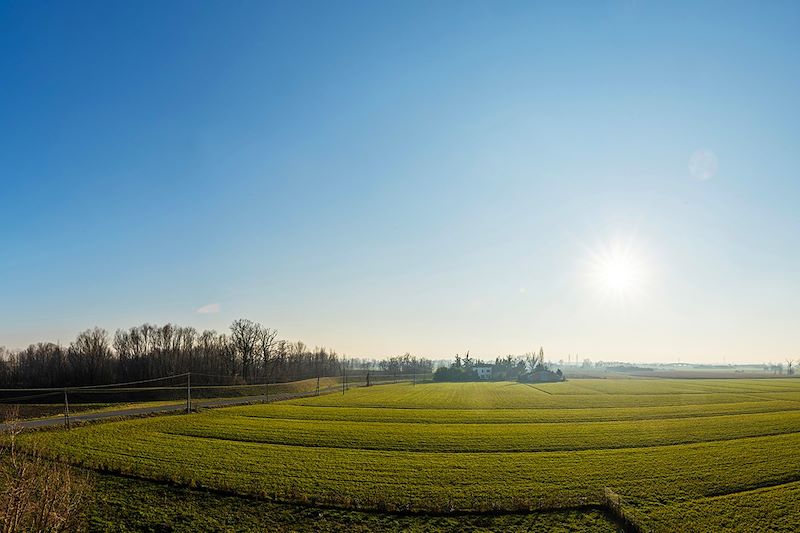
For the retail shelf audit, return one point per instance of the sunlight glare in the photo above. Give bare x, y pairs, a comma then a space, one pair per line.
618, 272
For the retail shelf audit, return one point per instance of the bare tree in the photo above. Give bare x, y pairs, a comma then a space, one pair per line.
245, 335
91, 355
149, 351
267, 348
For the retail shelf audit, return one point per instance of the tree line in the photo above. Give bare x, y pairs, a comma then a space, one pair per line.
399, 365
527, 368
247, 353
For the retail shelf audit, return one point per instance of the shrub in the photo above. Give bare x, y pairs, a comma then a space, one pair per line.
37, 494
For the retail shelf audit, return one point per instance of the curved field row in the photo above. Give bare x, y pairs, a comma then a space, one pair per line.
670, 386
459, 438
133, 505
771, 508
285, 410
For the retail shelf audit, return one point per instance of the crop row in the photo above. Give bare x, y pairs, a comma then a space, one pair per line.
771, 508
670, 386
460, 438
284, 410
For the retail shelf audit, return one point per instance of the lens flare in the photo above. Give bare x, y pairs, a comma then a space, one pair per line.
703, 164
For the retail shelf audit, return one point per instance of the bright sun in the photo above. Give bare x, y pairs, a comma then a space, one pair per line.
617, 272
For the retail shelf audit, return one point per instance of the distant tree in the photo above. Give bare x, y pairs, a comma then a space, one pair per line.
245, 336
266, 347
150, 351
90, 356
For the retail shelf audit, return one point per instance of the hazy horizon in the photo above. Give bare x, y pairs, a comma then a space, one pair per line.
616, 180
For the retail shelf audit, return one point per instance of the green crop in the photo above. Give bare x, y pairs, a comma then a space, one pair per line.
672, 449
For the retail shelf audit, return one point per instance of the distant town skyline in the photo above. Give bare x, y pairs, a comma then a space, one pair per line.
617, 180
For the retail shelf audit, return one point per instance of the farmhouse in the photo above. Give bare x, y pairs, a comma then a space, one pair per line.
484, 372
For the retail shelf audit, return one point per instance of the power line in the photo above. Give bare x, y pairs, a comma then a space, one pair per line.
31, 397
129, 382
107, 385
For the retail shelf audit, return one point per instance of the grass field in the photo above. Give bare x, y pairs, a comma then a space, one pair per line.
713, 454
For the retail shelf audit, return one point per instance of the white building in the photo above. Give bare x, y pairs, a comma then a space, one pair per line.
484, 372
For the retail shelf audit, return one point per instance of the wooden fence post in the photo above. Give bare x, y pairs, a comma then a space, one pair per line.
188, 392
66, 409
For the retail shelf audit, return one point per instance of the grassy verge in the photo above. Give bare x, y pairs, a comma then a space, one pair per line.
35, 411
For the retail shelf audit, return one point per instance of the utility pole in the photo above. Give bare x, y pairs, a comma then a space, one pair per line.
266, 383
188, 392
66, 409
344, 376
317, 364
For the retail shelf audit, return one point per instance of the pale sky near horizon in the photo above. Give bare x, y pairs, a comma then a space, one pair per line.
613, 179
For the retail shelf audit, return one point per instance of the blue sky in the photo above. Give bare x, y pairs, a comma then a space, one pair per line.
382, 177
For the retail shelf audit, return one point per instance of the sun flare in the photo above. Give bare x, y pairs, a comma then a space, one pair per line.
618, 272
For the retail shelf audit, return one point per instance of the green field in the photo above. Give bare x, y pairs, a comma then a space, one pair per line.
682, 454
